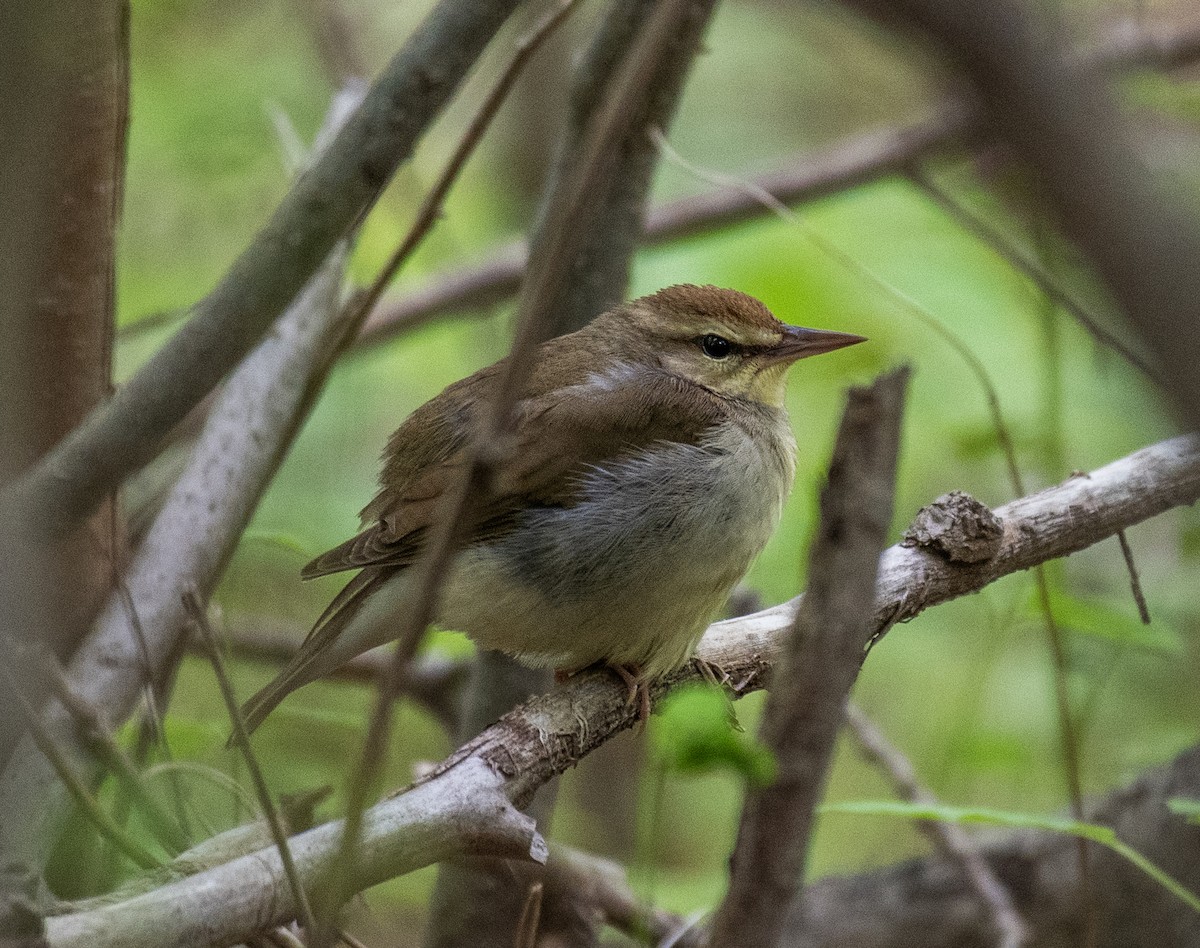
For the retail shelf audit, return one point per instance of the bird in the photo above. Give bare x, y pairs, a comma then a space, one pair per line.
651, 457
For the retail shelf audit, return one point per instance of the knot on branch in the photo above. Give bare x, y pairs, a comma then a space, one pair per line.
958, 527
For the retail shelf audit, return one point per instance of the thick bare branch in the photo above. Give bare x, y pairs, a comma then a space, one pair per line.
929, 902
822, 655
468, 815
861, 158
550, 733
242, 445
1058, 113
323, 206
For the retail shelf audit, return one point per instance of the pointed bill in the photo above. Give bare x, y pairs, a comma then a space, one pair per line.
800, 343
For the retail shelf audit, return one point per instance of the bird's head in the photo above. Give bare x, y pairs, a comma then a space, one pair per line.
723, 339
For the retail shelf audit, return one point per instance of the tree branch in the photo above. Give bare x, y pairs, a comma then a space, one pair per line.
954, 842
552, 732
1059, 115
859, 159
466, 816
822, 655
929, 902
321, 208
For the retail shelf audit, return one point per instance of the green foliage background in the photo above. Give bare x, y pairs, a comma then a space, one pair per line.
966, 690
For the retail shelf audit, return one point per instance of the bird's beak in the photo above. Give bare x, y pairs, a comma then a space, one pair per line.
799, 343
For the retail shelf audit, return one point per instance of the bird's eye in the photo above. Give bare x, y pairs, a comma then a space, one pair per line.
716, 347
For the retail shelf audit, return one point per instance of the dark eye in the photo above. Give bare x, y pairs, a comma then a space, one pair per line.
716, 347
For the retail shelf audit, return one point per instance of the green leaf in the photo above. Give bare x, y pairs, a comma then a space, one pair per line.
1186, 807
942, 813
694, 733
1100, 619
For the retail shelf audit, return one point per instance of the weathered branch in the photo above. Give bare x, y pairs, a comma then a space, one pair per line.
244, 441
929, 902
1058, 114
822, 655
550, 733
859, 159
322, 207
467, 816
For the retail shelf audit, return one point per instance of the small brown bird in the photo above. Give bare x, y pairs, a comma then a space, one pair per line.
653, 457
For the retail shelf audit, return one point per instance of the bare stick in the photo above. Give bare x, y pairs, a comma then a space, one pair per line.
952, 839
459, 806
974, 225
856, 160
169, 832
76, 787
1135, 581
431, 208
1059, 115
821, 659
241, 738
435, 682
323, 206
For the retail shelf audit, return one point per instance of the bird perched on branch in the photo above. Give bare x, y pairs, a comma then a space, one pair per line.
652, 458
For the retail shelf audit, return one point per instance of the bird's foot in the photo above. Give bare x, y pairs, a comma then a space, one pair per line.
711, 672
638, 691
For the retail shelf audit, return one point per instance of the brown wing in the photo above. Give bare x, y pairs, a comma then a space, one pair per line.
560, 435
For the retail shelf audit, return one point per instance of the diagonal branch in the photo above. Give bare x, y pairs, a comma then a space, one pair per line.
137, 635
551, 733
321, 208
1058, 113
859, 159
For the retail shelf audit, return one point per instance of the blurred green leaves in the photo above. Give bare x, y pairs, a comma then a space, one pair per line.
695, 733
1092, 617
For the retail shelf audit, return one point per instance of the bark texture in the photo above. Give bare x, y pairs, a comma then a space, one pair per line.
822, 655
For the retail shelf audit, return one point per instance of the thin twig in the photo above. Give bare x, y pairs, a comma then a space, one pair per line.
104, 824
430, 211
350, 940
1135, 581
170, 834
435, 560
531, 918
434, 682
191, 602
1035, 273
950, 838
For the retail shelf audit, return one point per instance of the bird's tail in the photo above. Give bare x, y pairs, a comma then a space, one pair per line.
318, 655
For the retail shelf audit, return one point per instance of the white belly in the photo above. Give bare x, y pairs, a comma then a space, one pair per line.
634, 572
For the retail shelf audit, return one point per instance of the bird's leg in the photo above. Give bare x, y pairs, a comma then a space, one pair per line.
638, 690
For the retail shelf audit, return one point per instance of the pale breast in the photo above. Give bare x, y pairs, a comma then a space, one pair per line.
634, 572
